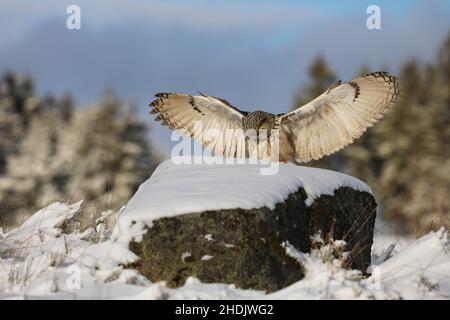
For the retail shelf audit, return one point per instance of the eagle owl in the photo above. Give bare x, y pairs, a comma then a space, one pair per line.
319, 128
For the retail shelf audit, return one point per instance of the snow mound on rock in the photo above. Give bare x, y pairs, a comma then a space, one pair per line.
176, 189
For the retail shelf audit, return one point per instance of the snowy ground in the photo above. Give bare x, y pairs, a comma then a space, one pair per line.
42, 260
39, 261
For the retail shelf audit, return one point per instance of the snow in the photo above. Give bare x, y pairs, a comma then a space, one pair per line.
424, 264
209, 237
44, 220
176, 188
39, 261
185, 255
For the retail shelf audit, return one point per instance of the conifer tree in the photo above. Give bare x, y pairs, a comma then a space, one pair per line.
100, 154
17, 103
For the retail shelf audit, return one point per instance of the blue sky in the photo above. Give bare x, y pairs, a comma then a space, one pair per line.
253, 53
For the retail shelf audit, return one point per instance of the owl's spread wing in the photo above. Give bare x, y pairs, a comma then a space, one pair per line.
339, 115
212, 121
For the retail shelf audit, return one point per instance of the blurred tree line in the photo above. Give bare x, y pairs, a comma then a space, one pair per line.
405, 158
52, 151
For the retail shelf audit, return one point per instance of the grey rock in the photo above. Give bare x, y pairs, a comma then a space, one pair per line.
244, 247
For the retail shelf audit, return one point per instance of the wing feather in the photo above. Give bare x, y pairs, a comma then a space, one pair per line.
203, 118
340, 115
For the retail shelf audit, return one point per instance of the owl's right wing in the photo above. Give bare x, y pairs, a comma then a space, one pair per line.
212, 121
339, 115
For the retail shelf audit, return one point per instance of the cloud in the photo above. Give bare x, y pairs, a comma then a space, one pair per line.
206, 16
221, 15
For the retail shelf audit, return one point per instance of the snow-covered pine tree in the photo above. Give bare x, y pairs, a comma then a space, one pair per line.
59, 153
17, 102
112, 152
414, 146
31, 172
405, 158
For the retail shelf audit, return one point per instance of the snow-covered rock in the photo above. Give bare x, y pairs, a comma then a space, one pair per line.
167, 220
175, 189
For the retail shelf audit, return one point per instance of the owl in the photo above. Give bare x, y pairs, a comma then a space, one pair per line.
319, 128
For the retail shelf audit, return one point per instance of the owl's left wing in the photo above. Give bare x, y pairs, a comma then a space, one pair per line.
212, 121
339, 115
